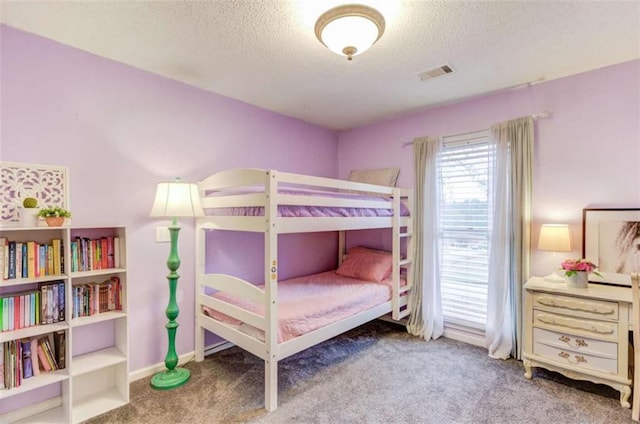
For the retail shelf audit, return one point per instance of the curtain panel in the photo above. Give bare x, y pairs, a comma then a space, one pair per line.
511, 177
425, 299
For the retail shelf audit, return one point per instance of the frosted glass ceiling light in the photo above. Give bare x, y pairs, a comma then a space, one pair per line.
350, 29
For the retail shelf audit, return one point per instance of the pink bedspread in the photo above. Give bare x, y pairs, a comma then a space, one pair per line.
298, 211
314, 301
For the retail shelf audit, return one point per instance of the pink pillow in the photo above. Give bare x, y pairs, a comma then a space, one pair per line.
366, 264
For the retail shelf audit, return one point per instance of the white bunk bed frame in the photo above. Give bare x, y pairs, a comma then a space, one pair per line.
271, 225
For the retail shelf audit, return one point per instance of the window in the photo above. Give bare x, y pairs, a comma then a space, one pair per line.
463, 168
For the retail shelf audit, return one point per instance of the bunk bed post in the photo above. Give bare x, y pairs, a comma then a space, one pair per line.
271, 292
200, 271
342, 246
395, 249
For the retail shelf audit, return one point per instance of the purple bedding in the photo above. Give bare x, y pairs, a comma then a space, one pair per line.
298, 211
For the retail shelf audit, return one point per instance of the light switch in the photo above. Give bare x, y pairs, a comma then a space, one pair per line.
162, 235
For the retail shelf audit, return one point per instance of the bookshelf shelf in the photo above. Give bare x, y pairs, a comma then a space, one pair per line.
98, 403
29, 332
54, 415
91, 383
97, 272
89, 362
22, 281
93, 319
44, 379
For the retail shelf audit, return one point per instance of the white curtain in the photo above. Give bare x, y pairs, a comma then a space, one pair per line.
424, 299
511, 147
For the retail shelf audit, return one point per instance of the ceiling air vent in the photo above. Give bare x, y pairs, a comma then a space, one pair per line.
435, 72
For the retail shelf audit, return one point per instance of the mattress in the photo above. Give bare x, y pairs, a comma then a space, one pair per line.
304, 211
310, 302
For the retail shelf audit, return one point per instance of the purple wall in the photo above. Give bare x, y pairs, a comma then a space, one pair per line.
120, 130
587, 152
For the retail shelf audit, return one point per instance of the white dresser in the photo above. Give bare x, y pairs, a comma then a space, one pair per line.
580, 333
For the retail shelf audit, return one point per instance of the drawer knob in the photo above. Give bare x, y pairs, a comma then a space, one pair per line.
577, 344
577, 359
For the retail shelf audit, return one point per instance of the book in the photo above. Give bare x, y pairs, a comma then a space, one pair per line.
2, 386
31, 259
49, 253
26, 312
35, 363
48, 349
16, 312
116, 252
27, 365
25, 261
12, 260
61, 302
45, 365
54, 301
104, 253
46, 302
59, 340
18, 362
19, 260
11, 319
3, 243
57, 256
34, 307
110, 252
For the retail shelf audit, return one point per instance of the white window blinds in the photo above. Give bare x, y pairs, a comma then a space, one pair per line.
463, 167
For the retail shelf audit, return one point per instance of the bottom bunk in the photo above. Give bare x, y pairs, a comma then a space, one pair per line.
310, 310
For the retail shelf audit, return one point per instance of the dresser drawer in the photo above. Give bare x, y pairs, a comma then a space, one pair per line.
576, 306
577, 326
576, 344
577, 359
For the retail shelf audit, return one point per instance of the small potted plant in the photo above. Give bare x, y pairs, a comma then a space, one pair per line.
29, 212
54, 215
576, 272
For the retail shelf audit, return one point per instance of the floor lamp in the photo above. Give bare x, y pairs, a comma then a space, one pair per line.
174, 199
554, 238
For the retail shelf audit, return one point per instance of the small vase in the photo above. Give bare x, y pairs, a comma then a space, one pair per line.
579, 280
54, 221
29, 217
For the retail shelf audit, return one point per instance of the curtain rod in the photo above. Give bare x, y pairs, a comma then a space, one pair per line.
541, 115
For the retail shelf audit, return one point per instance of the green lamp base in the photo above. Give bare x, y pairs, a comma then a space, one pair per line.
170, 379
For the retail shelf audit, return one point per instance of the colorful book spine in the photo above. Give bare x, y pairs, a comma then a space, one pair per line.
3, 262
27, 365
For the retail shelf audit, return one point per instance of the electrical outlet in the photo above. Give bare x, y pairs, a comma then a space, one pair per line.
162, 235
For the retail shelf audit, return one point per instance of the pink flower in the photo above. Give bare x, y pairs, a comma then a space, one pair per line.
571, 266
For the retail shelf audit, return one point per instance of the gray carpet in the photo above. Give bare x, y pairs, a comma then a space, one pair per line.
374, 374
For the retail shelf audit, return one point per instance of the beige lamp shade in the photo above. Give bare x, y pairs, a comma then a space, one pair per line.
176, 199
555, 238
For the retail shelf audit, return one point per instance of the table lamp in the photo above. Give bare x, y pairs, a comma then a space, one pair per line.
174, 199
554, 238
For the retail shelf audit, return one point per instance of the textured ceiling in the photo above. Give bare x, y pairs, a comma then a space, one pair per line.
265, 52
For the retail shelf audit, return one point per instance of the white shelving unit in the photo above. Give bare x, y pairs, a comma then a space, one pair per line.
96, 377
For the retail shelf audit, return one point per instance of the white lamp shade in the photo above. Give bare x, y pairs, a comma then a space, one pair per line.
555, 238
176, 199
349, 31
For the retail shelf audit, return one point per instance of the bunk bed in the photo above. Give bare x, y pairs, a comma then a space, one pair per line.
271, 202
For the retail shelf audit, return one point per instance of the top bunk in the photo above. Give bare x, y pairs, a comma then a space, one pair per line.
260, 200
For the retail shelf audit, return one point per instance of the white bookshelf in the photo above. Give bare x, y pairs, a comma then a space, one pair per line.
95, 379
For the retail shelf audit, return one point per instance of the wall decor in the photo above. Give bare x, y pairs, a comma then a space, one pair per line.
48, 184
612, 241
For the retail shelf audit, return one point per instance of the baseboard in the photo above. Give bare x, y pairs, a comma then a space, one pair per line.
182, 359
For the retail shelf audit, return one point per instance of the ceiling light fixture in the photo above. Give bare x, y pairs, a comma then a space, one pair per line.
350, 29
